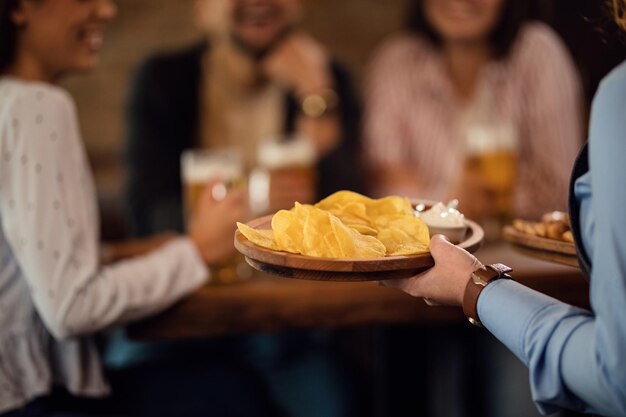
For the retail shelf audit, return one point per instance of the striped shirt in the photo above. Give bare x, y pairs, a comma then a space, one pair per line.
413, 119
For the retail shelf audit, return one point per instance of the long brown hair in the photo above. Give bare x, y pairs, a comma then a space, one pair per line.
8, 34
619, 8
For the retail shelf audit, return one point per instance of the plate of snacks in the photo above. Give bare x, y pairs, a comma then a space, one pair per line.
549, 239
345, 237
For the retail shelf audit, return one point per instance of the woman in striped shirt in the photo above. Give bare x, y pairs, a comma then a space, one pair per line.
461, 67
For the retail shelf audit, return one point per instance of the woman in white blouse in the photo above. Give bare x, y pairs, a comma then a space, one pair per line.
53, 289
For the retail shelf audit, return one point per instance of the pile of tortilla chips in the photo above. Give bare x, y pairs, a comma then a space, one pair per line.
345, 225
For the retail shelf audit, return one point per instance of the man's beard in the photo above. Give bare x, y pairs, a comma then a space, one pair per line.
257, 54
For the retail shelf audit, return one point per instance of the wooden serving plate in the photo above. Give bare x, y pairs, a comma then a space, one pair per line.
291, 265
542, 248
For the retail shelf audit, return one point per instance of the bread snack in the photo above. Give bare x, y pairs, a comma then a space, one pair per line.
554, 225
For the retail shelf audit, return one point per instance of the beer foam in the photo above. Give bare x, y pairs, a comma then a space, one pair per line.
198, 168
276, 155
489, 138
203, 173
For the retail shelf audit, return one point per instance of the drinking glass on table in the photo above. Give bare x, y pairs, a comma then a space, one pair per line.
198, 167
285, 174
491, 155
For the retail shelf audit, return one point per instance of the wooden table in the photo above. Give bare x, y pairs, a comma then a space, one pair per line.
266, 303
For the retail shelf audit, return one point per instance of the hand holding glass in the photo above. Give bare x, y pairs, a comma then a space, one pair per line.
214, 199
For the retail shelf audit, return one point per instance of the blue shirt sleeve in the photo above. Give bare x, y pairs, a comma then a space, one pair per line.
577, 358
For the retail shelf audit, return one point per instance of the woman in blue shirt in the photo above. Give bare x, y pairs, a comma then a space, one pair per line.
576, 357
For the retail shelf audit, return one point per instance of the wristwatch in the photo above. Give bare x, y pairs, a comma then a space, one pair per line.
320, 103
477, 283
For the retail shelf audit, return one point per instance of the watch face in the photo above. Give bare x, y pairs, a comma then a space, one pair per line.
314, 105
319, 103
474, 322
488, 273
479, 277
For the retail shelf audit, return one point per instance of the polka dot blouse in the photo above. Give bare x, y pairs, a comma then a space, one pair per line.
52, 289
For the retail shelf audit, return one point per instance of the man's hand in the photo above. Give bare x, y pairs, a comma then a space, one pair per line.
445, 282
300, 63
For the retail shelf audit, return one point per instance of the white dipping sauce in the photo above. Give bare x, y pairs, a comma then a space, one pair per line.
442, 216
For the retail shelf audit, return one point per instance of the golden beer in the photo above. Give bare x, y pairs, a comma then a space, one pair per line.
498, 169
198, 167
192, 193
492, 153
193, 190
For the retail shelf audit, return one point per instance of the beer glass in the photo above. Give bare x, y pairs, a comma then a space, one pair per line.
294, 157
198, 167
492, 152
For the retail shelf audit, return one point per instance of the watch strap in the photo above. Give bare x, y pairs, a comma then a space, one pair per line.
476, 284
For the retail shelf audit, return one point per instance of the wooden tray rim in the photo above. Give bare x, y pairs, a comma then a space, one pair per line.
289, 260
538, 243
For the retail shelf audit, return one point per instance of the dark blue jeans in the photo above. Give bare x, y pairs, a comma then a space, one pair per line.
182, 388
294, 372
194, 388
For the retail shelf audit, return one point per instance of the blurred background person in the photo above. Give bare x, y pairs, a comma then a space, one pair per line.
254, 77
474, 102
55, 292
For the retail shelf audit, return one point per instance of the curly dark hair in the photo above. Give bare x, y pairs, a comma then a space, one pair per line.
8, 33
502, 37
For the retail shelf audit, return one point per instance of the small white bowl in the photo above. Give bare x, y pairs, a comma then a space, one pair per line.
455, 234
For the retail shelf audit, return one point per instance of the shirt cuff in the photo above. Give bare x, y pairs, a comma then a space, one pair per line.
506, 307
192, 264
